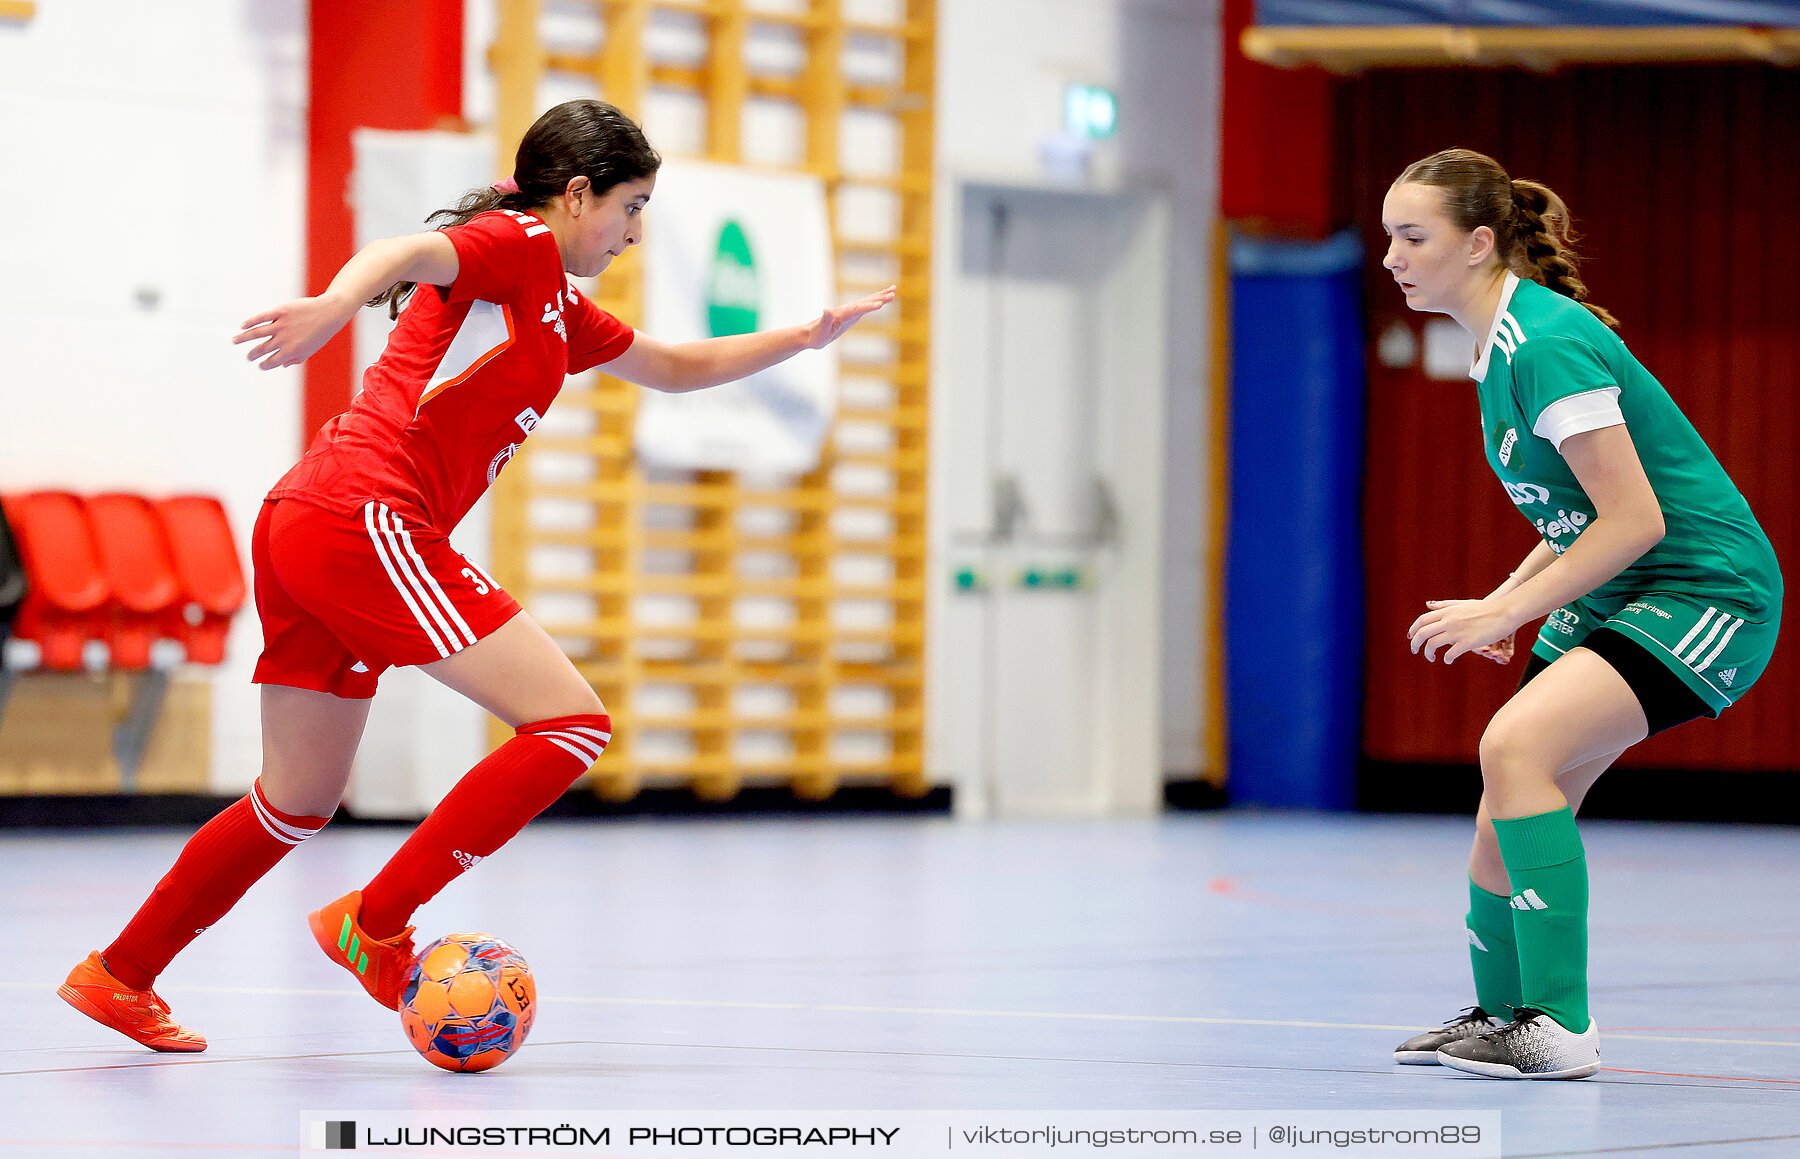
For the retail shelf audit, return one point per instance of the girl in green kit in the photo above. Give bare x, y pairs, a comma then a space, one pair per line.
1663, 594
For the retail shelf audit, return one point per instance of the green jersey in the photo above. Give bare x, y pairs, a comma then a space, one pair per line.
1549, 370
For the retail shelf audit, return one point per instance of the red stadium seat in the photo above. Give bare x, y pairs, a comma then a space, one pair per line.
134, 556
69, 602
209, 572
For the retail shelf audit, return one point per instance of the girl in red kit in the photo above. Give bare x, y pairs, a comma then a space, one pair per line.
354, 569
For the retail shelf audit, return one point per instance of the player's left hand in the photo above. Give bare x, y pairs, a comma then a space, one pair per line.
832, 323
294, 331
1458, 626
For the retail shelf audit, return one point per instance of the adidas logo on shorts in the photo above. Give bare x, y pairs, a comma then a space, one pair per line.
1726, 676
466, 860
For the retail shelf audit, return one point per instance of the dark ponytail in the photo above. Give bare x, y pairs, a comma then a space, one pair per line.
584, 138
1533, 232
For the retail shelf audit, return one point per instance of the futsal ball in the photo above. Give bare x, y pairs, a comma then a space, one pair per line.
468, 1002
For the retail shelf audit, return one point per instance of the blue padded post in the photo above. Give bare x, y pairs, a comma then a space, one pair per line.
1293, 589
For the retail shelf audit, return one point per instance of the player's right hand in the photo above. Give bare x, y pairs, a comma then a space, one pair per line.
293, 331
1500, 651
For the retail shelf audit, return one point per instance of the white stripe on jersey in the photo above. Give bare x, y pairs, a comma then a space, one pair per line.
533, 226
486, 330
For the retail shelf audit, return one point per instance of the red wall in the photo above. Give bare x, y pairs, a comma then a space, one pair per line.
1684, 180
392, 65
1275, 141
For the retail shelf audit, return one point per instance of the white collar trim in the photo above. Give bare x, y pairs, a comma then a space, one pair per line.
1479, 370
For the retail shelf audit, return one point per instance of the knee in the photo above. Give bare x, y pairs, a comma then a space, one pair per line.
291, 816
581, 735
590, 700
1506, 755
315, 795
575, 698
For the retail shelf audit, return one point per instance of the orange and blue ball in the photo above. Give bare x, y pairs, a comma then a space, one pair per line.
468, 1002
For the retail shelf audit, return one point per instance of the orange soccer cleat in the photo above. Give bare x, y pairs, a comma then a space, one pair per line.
379, 965
137, 1014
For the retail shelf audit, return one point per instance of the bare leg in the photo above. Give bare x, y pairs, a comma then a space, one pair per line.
518, 674
1576, 712
309, 742
1485, 866
1539, 756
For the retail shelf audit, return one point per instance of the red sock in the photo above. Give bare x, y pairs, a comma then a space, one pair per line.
229, 854
493, 801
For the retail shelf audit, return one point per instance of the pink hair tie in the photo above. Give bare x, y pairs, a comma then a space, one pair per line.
507, 185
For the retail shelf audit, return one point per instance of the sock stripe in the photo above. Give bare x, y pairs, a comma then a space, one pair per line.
482, 812
576, 735
580, 737
272, 821
573, 745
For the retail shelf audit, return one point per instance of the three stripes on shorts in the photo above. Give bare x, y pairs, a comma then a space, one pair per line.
1723, 628
443, 624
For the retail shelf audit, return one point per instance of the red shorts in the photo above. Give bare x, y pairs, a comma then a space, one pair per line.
344, 598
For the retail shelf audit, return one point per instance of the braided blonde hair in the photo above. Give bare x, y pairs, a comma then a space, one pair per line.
1533, 232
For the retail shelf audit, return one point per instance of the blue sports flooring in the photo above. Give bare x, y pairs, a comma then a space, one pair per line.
1224, 961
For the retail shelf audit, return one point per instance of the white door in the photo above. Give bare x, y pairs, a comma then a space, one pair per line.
1049, 484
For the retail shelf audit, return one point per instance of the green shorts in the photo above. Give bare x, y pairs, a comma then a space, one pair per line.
1716, 648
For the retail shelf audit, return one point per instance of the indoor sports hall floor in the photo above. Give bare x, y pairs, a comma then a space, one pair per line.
1230, 961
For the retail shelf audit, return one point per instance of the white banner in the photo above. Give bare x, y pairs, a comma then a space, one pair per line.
1036, 1134
399, 179
729, 251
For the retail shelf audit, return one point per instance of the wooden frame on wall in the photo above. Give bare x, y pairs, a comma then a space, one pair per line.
712, 702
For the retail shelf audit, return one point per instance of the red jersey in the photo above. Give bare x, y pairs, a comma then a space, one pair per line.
467, 373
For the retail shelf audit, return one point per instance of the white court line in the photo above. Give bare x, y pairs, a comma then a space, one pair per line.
1714, 1041
701, 1004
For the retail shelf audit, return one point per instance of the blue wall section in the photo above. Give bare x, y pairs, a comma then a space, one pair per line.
1293, 586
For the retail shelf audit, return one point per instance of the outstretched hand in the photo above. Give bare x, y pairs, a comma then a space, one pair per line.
833, 322
293, 331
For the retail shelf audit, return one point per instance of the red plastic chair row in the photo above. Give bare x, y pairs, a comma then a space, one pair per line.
125, 571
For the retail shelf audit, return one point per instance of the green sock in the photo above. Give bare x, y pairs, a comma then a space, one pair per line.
1493, 953
1548, 869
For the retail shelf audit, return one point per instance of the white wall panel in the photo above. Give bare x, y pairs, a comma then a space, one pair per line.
1002, 69
154, 193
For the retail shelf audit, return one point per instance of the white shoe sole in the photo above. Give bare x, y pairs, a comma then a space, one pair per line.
1417, 1057
1500, 1070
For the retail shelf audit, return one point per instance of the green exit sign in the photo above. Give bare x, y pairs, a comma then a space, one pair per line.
1090, 111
